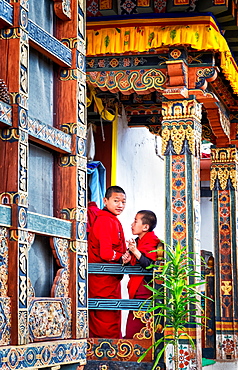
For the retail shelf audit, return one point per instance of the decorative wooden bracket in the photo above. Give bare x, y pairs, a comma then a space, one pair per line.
177, 86
62, 9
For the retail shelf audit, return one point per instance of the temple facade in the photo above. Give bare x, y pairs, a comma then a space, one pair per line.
153, 87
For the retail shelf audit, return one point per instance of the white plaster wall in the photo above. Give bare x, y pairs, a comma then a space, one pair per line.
206, 224
229, 365
140, 172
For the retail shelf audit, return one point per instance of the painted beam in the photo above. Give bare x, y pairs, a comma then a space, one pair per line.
5, 215
49, 135
137, 62
6, 12
48, 225
118, 304
115, 268
49, 45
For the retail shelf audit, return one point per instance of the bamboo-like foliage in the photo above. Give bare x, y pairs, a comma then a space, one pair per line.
176, 302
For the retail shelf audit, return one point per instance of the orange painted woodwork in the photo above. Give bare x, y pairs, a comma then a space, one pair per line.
205, 164
10, 63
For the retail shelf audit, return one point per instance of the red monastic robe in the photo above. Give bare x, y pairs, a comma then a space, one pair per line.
92, 214
136, 288
106, 243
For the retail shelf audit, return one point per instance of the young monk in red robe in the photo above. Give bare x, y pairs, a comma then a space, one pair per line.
143, 252
106, 243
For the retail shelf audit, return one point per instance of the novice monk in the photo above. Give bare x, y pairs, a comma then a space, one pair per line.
106, 243
147, 241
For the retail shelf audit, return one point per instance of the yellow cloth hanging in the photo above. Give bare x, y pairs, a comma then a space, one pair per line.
100, 107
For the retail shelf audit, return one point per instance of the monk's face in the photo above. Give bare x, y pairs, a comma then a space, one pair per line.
116, 203
137, 227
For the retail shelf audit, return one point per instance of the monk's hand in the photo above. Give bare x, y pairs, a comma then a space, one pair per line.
133, 248
126, 257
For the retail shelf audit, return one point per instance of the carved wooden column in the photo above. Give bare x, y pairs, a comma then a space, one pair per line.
224, 187
71, 170
181, 134
13, 152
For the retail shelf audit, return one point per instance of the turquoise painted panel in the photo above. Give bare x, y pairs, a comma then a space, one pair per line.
118, 304
115, 268
5, 215
49, 225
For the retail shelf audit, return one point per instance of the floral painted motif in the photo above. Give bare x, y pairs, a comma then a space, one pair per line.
227, 345
184, 358
128, 6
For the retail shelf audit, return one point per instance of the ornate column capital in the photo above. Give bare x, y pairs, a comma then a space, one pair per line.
223, 174
181, 128
181, 109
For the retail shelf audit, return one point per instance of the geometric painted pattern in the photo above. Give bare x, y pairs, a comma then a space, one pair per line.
49, 134
128, 7
159, 6
50, 354
5, 113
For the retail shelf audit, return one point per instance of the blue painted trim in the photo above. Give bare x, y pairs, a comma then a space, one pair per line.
115, 268
49, 43
49, 225
49, 135
118, 304
5, 215
6, 12
150, 16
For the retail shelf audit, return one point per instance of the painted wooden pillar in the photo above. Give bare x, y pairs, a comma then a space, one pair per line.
224, 187
181, 135
13, 152
71, 170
